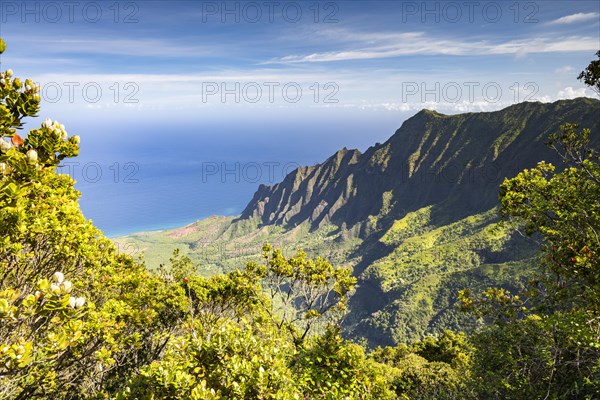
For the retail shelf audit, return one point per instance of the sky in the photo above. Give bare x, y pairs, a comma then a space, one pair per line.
181, 82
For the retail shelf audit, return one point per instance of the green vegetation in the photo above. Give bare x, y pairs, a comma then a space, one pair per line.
414, 238
80, 319
591, 75
419, 277
532, 344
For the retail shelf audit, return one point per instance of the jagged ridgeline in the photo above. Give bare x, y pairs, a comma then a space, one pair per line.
415, 216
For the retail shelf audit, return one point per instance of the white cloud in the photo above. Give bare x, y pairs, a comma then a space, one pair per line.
386, 45
443, 107
567, 69
579, 17
570, 93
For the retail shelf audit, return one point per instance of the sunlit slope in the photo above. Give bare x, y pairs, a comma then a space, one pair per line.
415, 216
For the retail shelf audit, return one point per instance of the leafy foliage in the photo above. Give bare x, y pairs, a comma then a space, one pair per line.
310, 291
331, 368
591, 75
546, 344
434, 368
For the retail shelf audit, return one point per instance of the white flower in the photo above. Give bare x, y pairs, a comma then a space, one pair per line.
76, 302
32, 156
2, 81
59, 277
47, 123
9, 72
80, 302
66, 286
63, 135
4, 145
76, 139
54, 288
3, 168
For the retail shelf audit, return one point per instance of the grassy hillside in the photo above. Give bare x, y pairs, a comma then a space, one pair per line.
403, 295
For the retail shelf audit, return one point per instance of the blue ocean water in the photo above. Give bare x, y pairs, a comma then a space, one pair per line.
122, 197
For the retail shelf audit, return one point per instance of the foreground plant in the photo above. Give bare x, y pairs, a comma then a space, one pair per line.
82, 332
546, 343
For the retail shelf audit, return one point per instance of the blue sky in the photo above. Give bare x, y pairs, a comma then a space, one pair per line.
179, 56
291, 80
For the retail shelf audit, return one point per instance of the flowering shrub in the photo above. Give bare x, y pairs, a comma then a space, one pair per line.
76, 337
37, 329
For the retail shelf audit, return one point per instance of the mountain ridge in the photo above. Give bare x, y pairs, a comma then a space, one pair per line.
415, 155
415, 216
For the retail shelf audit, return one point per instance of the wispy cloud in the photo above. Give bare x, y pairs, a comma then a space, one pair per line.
578, 17
567, 69
162, 48
386, 45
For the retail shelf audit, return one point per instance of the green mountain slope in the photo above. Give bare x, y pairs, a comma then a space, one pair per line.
415, 216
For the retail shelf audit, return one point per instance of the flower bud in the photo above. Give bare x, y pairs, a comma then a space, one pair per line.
54, 288
32, 85
17, 84
76, 139
47, 123
9, 72
4, 145
32, 156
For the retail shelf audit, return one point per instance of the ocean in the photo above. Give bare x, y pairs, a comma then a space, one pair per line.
151, 180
